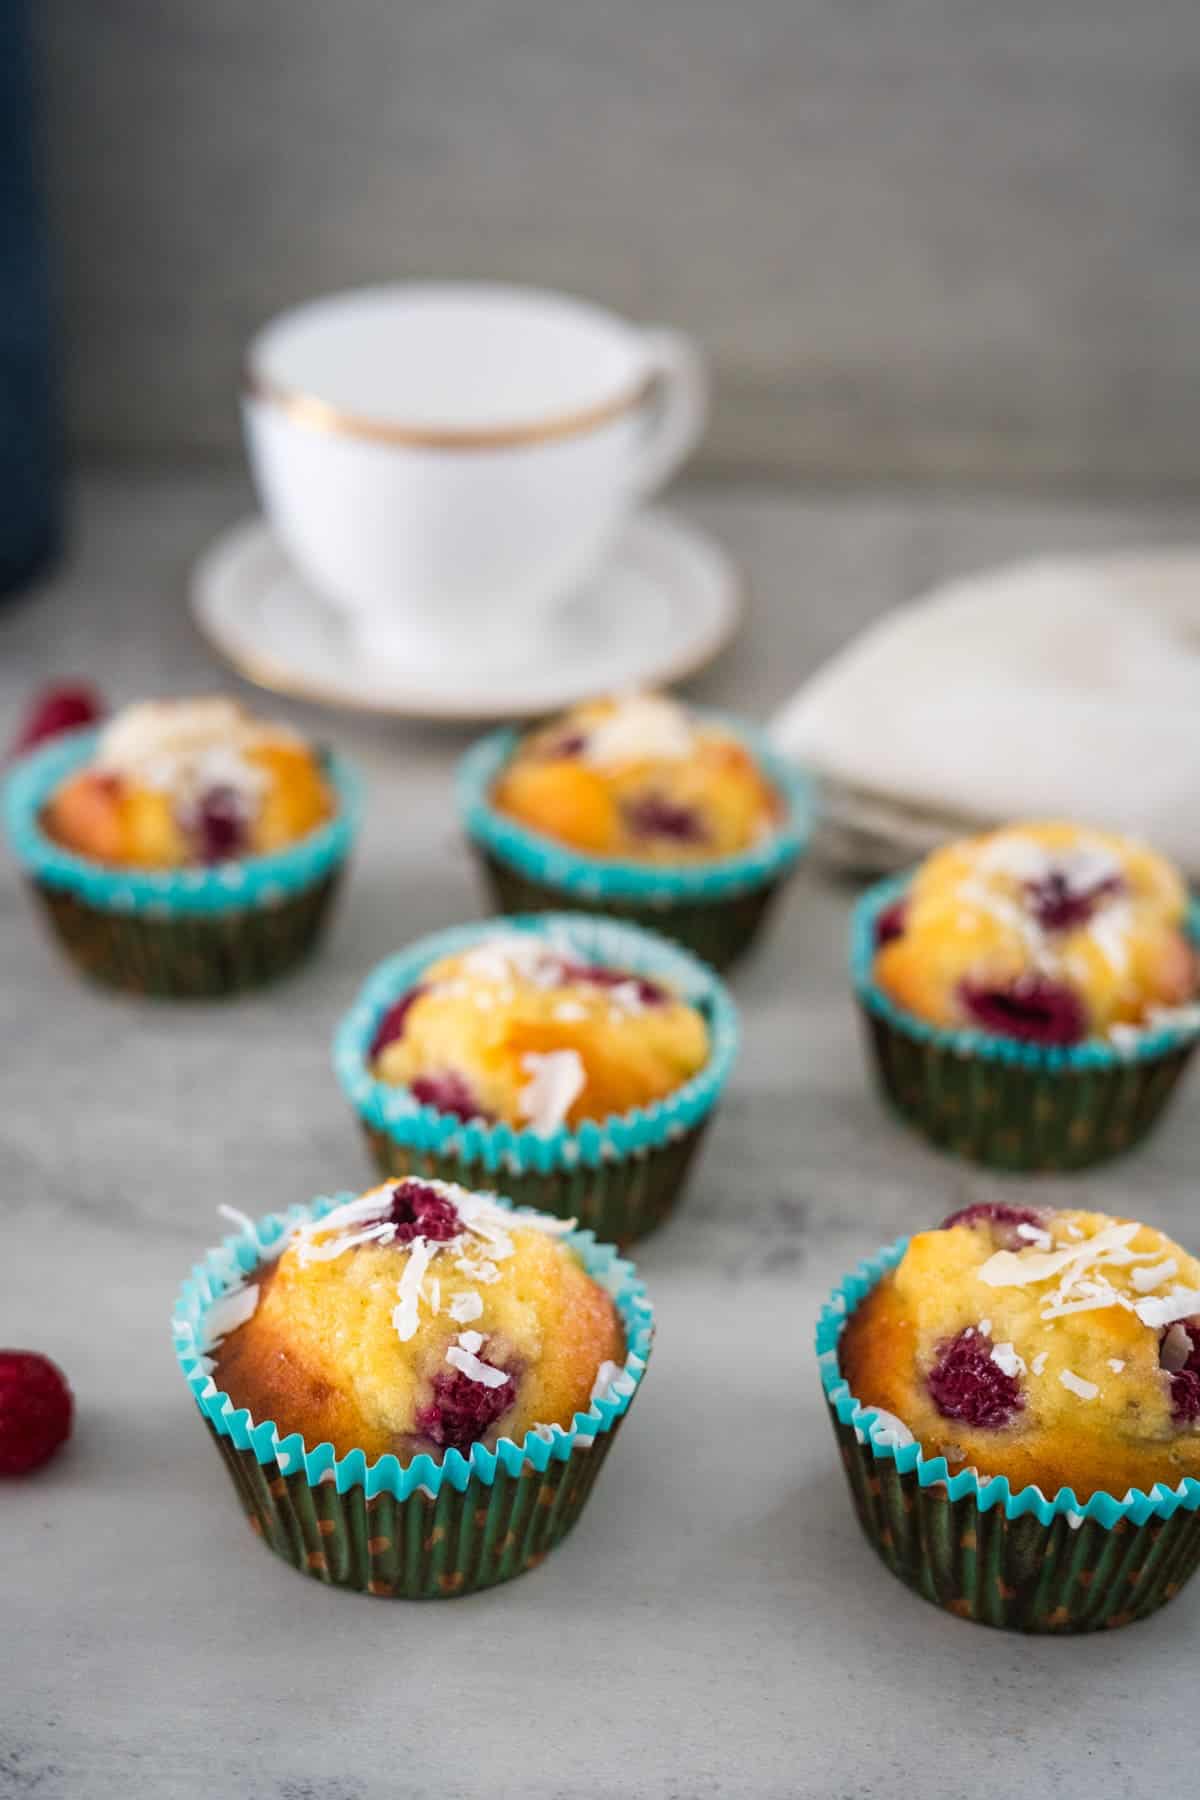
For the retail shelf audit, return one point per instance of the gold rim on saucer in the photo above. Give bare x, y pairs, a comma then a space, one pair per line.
275, 677
323, 415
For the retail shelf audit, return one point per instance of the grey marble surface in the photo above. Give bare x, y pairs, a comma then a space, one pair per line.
917, 236
715, 1626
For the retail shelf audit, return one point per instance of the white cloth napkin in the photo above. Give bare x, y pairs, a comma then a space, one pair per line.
1066, 688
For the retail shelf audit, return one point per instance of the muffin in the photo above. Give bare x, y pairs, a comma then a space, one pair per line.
174, 784
1030, 994
413, 1389
641, 809
186, 848
578, 1058
1017, 1397
520, 1030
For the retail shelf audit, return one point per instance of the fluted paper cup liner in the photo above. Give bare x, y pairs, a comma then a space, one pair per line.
425, 1529
178, 933
619, 1178
978, 1549
1006, 1104
716, 909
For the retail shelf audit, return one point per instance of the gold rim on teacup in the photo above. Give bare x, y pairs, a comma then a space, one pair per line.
323, 415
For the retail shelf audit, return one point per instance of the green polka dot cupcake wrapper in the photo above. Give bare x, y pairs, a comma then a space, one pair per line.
973, 1545
714, 909
620, 1177
178, 933
424, 1529
1029, 1108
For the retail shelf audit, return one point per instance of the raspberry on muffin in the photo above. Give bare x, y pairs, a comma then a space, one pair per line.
418, 1318
185, 783
1046, 933
1058, 1348
641, 779
519, 1030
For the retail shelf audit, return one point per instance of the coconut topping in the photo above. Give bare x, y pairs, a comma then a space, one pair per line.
556, 1080
640, 728
230, 1311
187, 748
1075, 1384
1182, 1304
1145, 1280
464, 1357
457, 1222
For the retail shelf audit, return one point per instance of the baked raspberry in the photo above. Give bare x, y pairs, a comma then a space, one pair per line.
1034, 1008
391, 1026
1003, 1220
571, 743
1057, 906
220, 825
649, 992
654, 816
966, 1384
35, 1410
1179, 1354
418, 1210
463, 1411
449, 1093
66, 706
891, 923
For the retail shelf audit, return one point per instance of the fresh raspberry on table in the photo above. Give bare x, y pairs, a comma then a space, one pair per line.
66, 706
35, 1410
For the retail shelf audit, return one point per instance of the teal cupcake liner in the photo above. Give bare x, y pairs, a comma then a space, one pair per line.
178, 933
714, 909
621, 1177
1027, 1108
425, 1529
972, 1545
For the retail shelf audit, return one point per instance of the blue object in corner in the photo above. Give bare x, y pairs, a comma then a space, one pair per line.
29, 444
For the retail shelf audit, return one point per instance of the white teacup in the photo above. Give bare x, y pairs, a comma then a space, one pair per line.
449, 462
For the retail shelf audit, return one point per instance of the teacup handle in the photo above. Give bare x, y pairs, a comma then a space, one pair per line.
676, 407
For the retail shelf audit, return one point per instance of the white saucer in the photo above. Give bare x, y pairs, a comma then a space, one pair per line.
666, 604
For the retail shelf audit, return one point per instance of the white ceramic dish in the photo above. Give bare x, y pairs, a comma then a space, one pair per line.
668, 600
449, 462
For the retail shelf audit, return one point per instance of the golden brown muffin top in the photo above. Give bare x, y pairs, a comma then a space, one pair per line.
1057, 1347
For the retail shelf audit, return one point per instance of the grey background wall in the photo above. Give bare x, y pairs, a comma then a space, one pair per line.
918, 237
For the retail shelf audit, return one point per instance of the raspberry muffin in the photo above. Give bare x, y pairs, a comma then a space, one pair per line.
641, 808
1029, 1374
580, 1057
413, 1389
1011, 965
175, 784
522, 1030
187, 848
419, 1318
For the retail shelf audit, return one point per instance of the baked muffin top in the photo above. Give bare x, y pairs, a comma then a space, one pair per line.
418, 1318
178, 783
1055, 1347
1047, 932
642, 779
522, 1030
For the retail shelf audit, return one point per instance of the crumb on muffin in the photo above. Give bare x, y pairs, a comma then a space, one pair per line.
418, 1318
